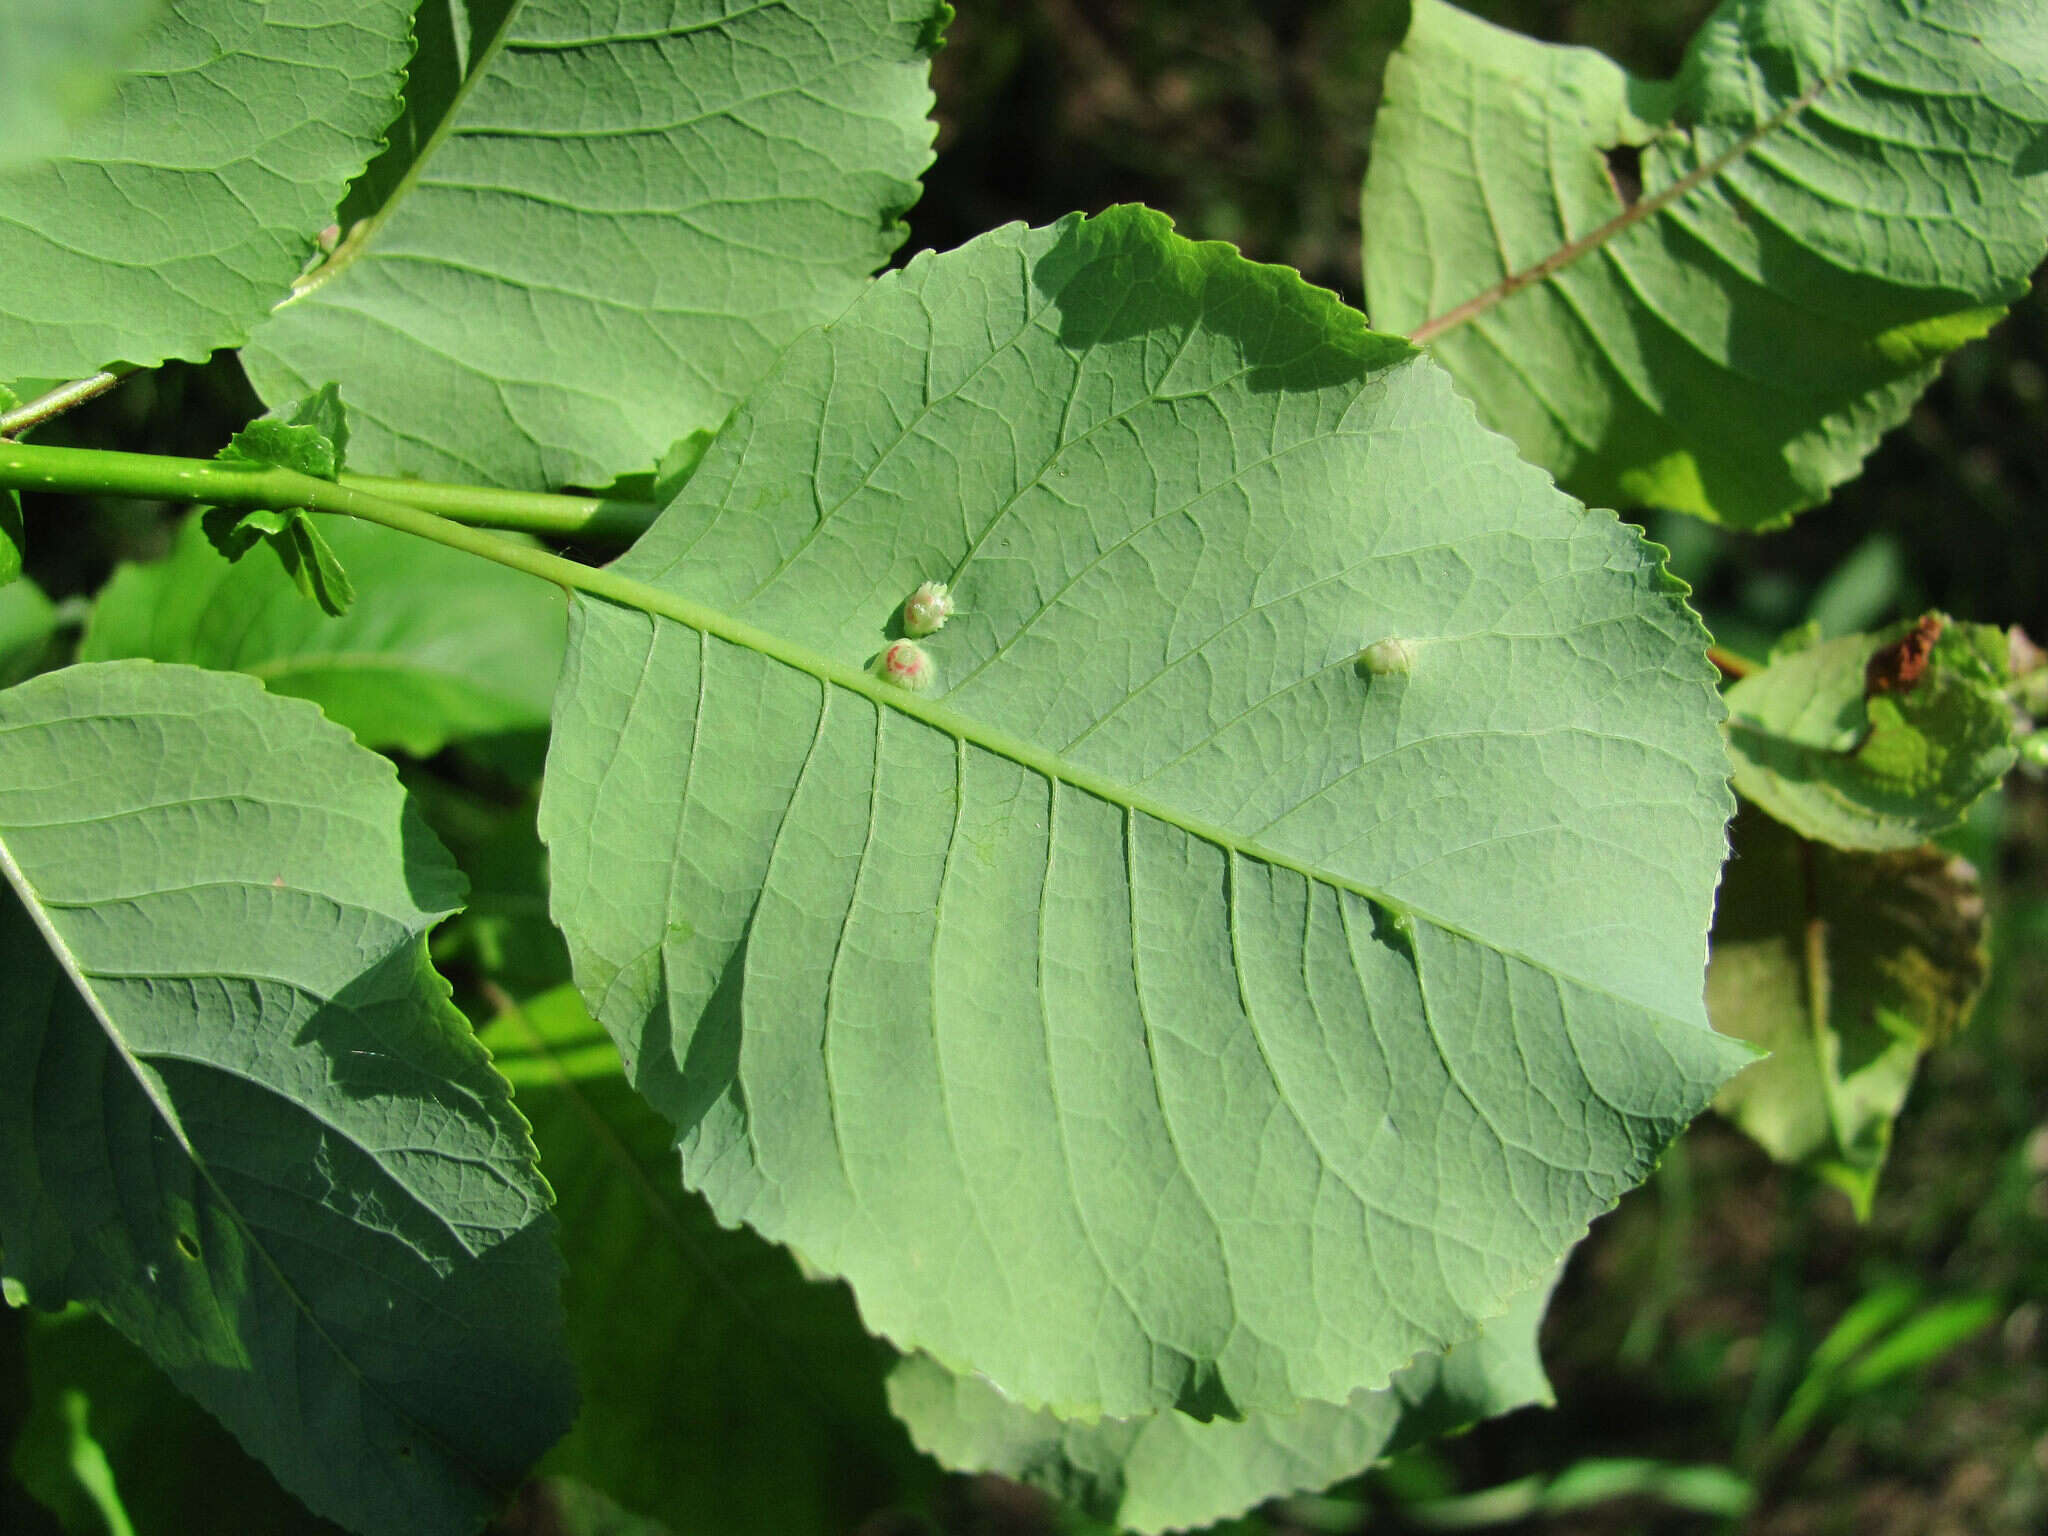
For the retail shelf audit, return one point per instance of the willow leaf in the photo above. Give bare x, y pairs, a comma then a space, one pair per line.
242, 1119
1163, 1009
178, 213
1713, 293
625, 210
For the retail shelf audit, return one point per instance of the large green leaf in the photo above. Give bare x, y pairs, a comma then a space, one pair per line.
1162, 1010
438, 646
1847, 968
1715, 293
1875, 741
678, 1323
57, 64
1167, 1472
241, 1117
630, 208
181, 211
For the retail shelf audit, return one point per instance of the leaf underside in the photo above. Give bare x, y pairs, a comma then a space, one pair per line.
1363, 993
180, 211
1780, 244
1168, 1472
630, 209
244, 1121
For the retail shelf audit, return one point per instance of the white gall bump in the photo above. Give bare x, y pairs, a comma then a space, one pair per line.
1385, 658
926, 610
905, 663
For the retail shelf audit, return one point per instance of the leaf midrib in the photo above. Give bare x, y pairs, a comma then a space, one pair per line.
358, 240
1643, 208
706, 620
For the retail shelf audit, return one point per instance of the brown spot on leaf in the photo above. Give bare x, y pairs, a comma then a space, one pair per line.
1897, 668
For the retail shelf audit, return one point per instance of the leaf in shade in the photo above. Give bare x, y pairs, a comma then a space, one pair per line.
439, 647
1847, 967
244, 1122
676, 1321
146, 1446
27, 621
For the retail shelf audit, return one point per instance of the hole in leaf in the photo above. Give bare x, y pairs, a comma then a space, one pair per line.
188, 1245
1625, 172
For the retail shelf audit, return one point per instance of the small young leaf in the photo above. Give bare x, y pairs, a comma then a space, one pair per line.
315, 567
309, 435
1847, 967
1875, 741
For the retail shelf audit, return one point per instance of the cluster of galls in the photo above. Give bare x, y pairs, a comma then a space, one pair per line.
904, 662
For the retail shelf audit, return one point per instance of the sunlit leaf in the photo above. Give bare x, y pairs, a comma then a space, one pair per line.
1713, 293
625, 211
180, 211
1368, 991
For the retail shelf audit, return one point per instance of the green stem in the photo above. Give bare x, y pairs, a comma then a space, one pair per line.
55, 402
31, 467
482, 506
91, 472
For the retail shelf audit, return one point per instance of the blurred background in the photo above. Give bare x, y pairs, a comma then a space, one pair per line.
1730, 1349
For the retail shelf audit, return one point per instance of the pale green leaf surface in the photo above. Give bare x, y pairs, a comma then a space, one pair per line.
1834, 194
439, 645
1898, 942
1158, 969
179, 213
675, 1320
57, 64
1168, 1472
245, 1122
631, 208
1855, 768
